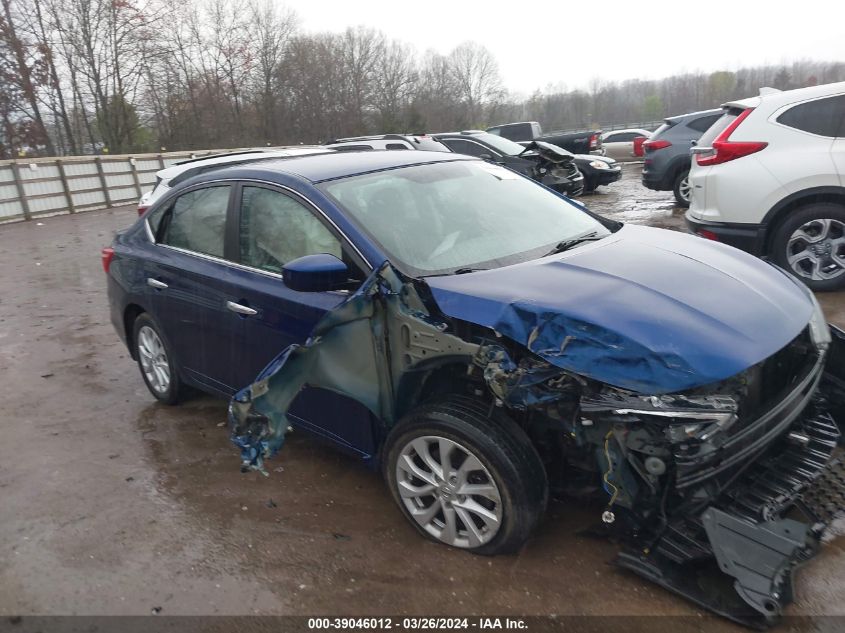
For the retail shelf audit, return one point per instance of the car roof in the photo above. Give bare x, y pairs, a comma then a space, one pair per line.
321, 167
168, 173
778, 98
692, 115
627, 129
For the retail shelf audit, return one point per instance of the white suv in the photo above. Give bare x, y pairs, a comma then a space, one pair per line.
769, 177
169, 177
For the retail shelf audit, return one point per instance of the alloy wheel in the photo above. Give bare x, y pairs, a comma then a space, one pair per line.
684, 189
154, 361
448, 491
816, 250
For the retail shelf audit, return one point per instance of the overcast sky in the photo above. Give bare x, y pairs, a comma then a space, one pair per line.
552, 41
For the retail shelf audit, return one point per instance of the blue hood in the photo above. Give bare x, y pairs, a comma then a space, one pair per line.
645, 309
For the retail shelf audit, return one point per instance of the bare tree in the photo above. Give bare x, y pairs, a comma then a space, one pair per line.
476, 74
28, 69
395, 81
271, 31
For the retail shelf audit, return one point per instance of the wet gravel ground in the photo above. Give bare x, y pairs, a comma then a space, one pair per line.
111, 503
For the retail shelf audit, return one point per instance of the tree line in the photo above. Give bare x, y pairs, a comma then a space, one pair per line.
96, 76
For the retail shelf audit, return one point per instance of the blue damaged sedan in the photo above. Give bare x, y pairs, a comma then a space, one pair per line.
485, 341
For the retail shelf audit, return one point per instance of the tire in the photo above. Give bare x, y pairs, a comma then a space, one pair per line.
507, 474
816, 231
681, 189
145, 331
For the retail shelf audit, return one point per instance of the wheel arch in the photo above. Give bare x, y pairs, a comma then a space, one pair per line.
779, 212
130, 313
440, 377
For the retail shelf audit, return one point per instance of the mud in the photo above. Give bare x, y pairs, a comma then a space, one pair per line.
113, 504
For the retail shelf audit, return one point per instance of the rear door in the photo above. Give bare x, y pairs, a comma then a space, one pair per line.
274, 227
189, 278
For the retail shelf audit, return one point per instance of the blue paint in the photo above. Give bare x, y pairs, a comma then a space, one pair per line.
645, 309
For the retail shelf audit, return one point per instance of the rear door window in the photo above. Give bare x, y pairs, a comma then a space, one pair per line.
825, 117
196, 221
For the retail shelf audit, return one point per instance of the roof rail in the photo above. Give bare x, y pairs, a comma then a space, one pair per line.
207, 156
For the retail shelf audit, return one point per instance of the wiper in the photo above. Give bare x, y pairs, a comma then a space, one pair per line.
464, 271
565, 245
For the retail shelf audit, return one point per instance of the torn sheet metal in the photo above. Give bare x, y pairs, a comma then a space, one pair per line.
624, 311
363, 349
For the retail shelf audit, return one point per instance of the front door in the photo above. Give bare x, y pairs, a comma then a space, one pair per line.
274, 228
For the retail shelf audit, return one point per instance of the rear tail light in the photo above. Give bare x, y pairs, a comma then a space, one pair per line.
655, 145
142, 208
594, 141
724, 150
710, 235
638, 145
107, 255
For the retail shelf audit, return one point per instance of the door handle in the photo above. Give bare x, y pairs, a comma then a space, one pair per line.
155, 283
238, 308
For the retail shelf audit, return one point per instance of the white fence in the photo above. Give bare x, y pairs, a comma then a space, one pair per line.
33, 187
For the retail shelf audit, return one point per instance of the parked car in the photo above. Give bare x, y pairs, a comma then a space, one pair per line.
667, 153
597, 170
387, 142
481, 339
619, 144
584, 142
549, 164
769, 178
169, 177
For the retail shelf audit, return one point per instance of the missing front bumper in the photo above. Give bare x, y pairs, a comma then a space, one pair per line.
742, 569
737, 556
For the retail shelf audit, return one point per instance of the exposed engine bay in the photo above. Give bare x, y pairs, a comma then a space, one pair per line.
554, 165
717, 492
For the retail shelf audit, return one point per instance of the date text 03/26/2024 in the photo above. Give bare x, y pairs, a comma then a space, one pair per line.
417, 623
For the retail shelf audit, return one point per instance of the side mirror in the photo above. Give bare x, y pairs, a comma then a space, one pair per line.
315, 273
485, 157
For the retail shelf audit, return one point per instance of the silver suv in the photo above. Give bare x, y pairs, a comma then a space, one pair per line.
667, 152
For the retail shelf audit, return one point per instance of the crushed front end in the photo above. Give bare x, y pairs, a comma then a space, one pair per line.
721, 493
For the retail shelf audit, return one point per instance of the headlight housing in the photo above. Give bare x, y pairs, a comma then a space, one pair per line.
819, 329
685, 417
599, 164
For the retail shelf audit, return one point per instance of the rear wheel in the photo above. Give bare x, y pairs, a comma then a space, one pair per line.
155, 360
464, 477
682, 190
810, 244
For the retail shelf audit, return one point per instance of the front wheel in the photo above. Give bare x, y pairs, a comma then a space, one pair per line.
682, 189
464, 477
810, 244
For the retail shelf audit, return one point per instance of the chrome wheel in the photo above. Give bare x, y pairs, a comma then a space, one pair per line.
449, 492
684, 189
816, 250
153, 358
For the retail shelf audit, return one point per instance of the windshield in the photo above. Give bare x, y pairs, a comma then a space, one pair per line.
444, 217
503, 145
